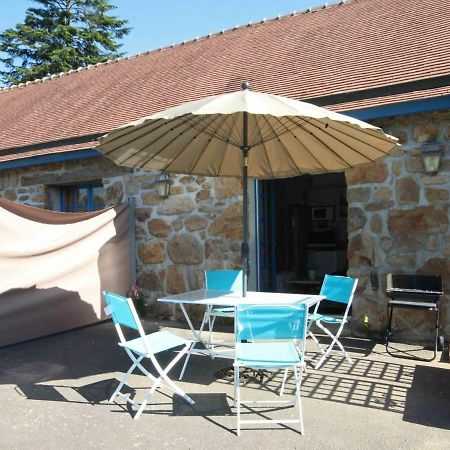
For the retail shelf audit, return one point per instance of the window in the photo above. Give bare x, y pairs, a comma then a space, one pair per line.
82, 198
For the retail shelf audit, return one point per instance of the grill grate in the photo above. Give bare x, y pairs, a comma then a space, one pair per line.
418, 287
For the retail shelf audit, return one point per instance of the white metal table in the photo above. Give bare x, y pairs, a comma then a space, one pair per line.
211, 298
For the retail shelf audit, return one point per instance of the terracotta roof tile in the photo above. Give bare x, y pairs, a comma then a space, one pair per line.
350, 47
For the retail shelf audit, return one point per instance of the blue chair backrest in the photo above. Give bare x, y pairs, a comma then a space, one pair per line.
224, 280
259, 322
120, 310
338, 289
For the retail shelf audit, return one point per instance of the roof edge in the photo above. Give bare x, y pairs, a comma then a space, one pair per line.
419, 84
84, 139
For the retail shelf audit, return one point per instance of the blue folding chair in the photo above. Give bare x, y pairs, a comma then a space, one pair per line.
124, 314
221, 280
265, 339
335, 289
217, 280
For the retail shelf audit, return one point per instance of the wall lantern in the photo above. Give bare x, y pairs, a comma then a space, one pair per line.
162, 184
431, 156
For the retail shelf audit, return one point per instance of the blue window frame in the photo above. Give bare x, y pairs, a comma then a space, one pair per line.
82, 198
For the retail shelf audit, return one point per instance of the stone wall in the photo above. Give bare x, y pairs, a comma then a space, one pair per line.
197, 228
31, 185
398, 221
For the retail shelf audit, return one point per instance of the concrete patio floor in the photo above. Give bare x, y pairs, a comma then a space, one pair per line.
54, 394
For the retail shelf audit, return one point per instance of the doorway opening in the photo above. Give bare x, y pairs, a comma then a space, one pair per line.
302, 232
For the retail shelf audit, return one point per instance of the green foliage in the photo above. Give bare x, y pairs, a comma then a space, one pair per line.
58, 36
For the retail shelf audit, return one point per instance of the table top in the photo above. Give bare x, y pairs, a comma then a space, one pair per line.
223, 298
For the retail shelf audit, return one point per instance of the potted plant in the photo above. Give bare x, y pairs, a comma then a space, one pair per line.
138, 300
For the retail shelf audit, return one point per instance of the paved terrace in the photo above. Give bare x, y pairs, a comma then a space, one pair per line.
54, 394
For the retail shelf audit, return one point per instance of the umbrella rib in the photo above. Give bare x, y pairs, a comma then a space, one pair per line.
118, 133
352, 137
200, 132
263, 143
274, 131
145, 129
218, 135
345, 163
159, 124
375, 133
188, 121
300, 143
154, 155
234, 118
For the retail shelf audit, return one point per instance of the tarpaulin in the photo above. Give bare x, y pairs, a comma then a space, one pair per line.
54, 266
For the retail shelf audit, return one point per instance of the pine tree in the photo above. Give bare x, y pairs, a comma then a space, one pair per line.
60, 35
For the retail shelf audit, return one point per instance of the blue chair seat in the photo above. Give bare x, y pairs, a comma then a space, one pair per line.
158, 342
223, 311
324, 318
267, 354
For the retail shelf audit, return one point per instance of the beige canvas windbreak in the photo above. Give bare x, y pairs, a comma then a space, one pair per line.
53, 267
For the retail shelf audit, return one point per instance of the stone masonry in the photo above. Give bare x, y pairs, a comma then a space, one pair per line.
197, 228
398, 221
32, 185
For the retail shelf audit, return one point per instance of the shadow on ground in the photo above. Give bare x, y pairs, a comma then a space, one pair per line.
46, 369
82, 366
428, 398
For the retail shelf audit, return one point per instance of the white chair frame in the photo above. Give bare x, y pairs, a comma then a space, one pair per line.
136, 358
298, 370
334, 337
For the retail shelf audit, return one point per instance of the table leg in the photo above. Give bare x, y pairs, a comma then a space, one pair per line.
197, 339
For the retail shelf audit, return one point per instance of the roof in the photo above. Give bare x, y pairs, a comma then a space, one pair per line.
344, 55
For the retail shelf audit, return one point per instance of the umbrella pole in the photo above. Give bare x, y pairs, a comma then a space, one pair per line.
244, 247
245, 149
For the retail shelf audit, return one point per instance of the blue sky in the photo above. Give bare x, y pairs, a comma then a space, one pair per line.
160, 23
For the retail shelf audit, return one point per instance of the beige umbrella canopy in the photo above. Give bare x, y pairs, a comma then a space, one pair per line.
248, 134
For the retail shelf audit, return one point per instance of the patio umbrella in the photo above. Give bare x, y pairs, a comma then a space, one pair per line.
246, 134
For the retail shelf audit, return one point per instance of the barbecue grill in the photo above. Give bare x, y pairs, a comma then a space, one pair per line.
421, 292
